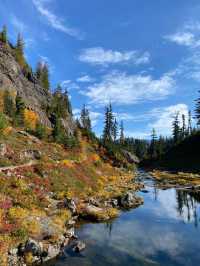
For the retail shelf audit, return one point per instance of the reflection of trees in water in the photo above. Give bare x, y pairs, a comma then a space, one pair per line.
187, 201
109, 227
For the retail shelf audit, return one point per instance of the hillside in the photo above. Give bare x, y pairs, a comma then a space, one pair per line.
53, 170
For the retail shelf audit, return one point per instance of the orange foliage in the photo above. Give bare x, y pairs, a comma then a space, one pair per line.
30, 119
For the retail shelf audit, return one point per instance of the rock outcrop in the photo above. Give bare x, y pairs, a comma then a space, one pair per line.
34, 96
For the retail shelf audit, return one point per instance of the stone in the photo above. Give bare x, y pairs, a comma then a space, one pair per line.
79, 246
3, 149
130, 157
30, 155
71, 205
130, 200
34, 247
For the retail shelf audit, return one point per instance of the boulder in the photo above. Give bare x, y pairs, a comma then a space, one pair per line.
130, 200
71, 205
34, 247
130, 157
3, 149
30, 155
79, 246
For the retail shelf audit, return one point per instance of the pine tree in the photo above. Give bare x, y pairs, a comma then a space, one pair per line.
121, 138
176, 128
184, 131
85, 119
45, 77
20, 107
108, 125
9, 107
197, 110
189, 123
115, 130
4, 35
19, 51
153, 145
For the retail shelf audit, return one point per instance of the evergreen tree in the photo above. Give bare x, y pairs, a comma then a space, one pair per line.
42, 74
115, 130
121, 138
9, 107
20, 107
85, 119
184, 131
4, 35
108, 125
19, 51
189, 123
197, 110
45, 77
176, 128
153, 145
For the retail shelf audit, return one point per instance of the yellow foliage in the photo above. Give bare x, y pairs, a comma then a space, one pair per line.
7, 131
32, 226
18, 213
30, 119
28, 258
61, 218
68, 163
95, 157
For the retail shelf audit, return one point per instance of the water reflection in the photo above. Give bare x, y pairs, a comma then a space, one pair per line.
187, 205
161, 232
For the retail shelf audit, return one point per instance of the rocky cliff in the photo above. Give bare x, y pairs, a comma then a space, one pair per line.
34, 96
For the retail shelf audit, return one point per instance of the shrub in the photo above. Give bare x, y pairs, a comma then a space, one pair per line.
30, 119
40, 131
3, 122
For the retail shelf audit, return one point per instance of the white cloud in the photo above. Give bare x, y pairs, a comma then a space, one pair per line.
182, 38
54, 21
188, 36
100, 56
85, 78
121, 88
164, 117
69, 85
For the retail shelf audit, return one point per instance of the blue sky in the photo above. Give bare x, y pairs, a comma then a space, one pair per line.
142, 55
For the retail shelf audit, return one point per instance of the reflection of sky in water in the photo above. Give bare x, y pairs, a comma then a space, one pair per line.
154, 234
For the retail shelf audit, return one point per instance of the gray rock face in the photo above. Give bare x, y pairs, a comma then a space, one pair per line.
130, 157
34, 96
79, 246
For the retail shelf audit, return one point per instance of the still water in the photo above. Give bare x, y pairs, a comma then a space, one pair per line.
164, 231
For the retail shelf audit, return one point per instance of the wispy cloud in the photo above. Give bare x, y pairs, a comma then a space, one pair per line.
188, 35
54, 21
164, 117
100, 56
121, 88
85, 78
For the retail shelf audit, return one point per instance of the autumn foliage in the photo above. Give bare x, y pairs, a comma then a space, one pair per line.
30, 119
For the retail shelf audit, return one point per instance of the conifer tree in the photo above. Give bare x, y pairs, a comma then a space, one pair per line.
9, 107
197, 110
183, 126
108, 124
153, 144
85, 119
19, 51
42, 74
189, 123
20, 107
121, 138
115, 130
176, 128
4, 35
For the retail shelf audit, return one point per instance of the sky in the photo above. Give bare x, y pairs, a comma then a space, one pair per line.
143, 56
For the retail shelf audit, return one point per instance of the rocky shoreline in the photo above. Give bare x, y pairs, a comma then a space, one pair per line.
39, 251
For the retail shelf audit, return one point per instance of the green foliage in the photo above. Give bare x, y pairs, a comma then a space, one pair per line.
20, 107
3, 35
40, 131
85, 119
3, 122
42, 74
19, 51
108, 125
9, 105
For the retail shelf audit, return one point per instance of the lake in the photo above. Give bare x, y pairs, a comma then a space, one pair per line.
164, 231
